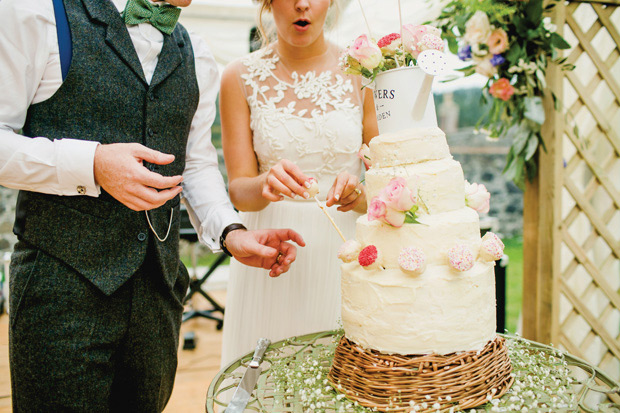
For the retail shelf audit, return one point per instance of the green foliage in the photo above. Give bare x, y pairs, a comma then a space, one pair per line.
514, 281
410, 216
517, 84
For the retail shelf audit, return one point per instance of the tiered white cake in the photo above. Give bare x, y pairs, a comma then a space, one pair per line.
430, 286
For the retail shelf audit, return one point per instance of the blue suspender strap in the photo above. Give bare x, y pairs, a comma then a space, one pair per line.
64, 37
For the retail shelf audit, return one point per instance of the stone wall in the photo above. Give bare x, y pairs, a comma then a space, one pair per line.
483, 161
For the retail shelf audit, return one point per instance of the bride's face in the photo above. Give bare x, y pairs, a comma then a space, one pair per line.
299, 22
180, 3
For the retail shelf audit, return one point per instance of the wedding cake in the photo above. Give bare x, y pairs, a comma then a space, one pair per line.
418, 284
431, 287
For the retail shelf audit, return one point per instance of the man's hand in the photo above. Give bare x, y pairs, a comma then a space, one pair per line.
120, 171
265, 248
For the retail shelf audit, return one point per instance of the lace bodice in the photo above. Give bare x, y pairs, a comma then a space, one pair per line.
313, 119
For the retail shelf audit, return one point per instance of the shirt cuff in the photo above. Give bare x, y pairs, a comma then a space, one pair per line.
76, 159
210, 232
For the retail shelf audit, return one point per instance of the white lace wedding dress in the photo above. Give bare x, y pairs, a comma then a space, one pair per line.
315, 120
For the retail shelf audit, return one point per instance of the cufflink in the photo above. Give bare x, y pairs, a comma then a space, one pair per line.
81, 189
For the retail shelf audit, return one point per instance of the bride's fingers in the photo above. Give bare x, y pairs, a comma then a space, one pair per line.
344, 190
271, 194
277, 187
295, 172
283, 182
351, 205
349, 190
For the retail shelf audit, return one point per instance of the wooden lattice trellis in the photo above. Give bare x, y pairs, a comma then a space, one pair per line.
572, 209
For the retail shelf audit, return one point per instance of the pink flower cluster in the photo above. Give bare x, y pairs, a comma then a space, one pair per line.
418, 38
486, 46
392, 203
366, 57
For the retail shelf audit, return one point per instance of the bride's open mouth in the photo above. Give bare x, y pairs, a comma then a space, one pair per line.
301, 24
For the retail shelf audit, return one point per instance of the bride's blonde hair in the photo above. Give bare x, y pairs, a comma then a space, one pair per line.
267, 32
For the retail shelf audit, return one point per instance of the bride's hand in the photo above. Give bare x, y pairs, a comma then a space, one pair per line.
284, 179
346, 192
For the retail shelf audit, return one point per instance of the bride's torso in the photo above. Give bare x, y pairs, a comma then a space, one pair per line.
312, 118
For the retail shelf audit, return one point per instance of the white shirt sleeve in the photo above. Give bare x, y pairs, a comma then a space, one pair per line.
61, 167
204, 191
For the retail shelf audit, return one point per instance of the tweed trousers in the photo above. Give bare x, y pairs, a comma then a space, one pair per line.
115, 353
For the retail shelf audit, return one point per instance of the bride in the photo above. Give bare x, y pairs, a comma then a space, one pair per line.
289, 114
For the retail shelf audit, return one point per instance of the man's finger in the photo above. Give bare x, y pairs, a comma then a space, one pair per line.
152, 198
286, 256
155, 180
287, 234
153, 156
264, 251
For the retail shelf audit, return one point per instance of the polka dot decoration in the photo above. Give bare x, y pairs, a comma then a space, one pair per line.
433, 62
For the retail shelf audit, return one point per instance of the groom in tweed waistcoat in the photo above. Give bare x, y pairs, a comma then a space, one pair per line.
96, 283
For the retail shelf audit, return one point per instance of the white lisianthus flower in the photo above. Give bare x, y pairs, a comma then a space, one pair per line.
548, 24
477, 28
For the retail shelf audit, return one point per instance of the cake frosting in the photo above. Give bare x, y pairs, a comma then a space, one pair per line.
424, 283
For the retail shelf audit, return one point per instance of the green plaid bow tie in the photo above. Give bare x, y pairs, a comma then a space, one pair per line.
163, 17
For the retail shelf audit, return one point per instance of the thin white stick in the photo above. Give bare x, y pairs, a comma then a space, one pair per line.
400, 19
365, 19
330, 218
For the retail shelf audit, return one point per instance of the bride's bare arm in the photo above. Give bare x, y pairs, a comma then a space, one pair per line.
369, 122
249, 190
244, 182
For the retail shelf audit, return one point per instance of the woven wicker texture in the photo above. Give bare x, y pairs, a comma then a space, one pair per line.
397, 383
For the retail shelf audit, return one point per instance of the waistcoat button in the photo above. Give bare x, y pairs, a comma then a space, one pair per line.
150, 132
141, 236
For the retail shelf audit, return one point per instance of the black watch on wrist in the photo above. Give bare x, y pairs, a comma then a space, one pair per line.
229, 228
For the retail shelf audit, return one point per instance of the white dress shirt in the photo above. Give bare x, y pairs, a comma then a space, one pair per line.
30, 73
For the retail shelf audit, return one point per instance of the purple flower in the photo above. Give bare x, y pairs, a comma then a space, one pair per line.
465, 53
497, 59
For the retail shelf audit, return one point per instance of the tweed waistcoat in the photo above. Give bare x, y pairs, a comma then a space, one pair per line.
106, 98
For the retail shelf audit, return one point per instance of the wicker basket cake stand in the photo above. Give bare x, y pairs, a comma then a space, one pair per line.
398, 383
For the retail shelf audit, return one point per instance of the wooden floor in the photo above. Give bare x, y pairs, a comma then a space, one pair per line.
194, 374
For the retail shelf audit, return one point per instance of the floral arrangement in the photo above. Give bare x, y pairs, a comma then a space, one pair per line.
367, 57
511, 43
395, 205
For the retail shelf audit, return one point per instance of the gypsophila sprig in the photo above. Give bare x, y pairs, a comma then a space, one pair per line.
512, 44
